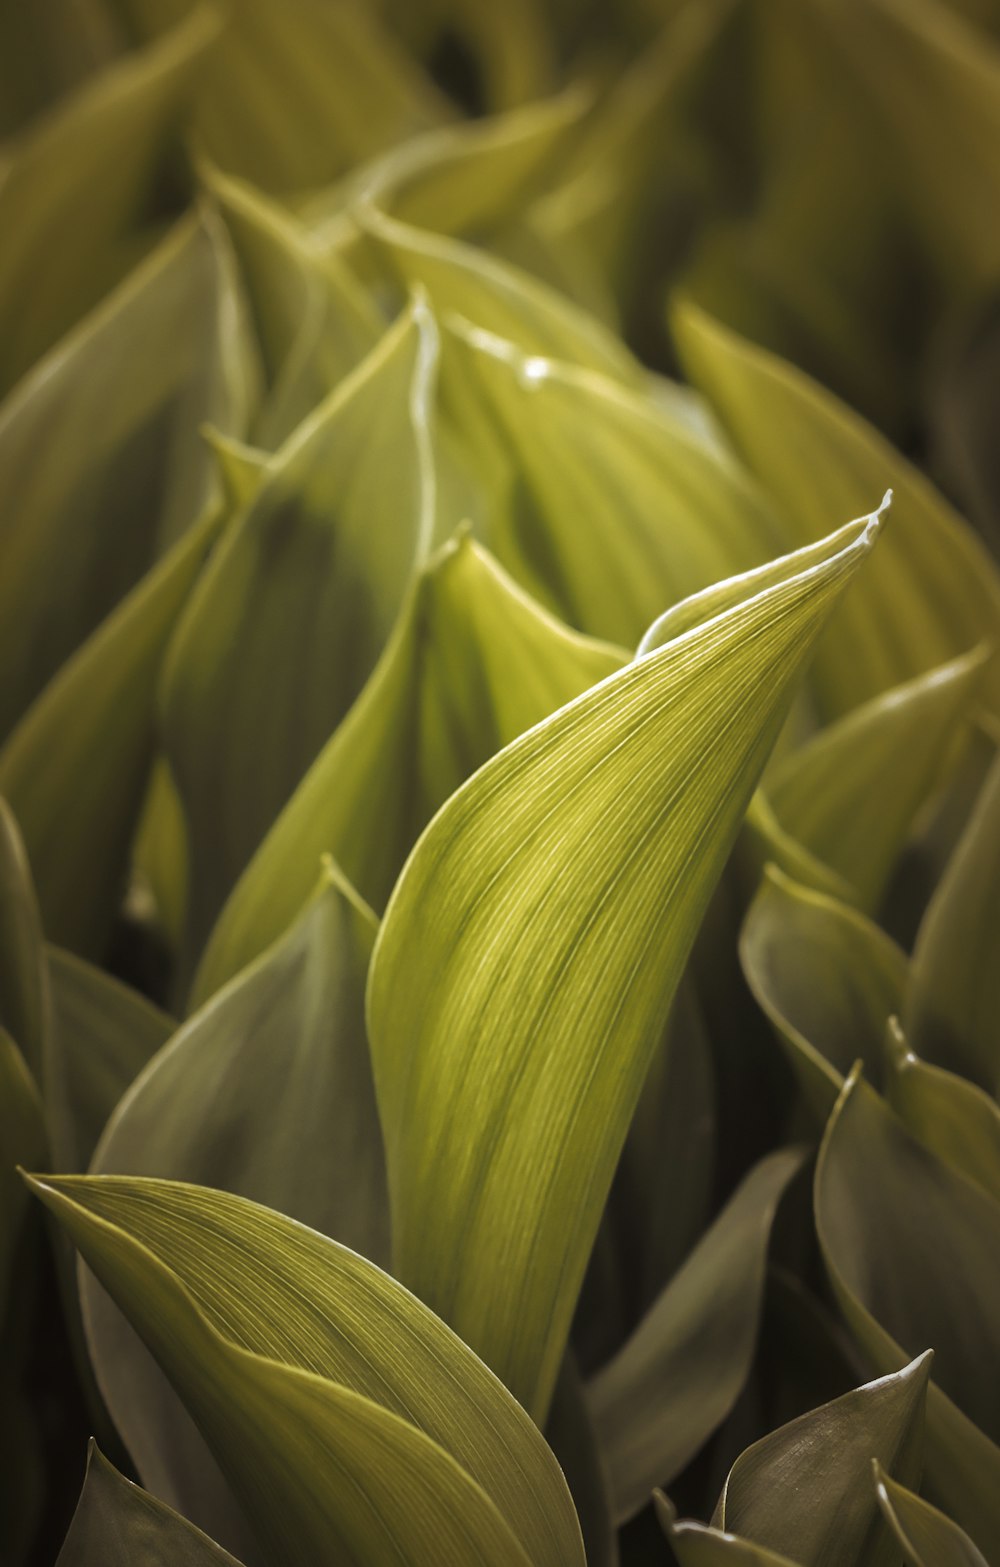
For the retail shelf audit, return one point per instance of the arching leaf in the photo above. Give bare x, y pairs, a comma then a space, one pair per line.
928, 1538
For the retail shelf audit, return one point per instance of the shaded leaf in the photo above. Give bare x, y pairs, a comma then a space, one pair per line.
324, 1389
297, 605
955, 1118
679, 1374
551, 904
933, 591
23, 1141
570, 1433
117, 1524
827, 978
473, 662
698, 1545
75, 767
24, 998
928, 1538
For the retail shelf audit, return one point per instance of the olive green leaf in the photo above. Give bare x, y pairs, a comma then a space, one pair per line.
675, 1380
805, 1487
160, 853
75, 767
86, 171
616, 509
912, 1250
951, 1013
911, 53
955, 1118
699, 1545
100, 467
353, 89
242, 467
266, 1092
24, 997
23, 1139
43, 56
933, 591
851, 794
314, 321
961, 402
827, 978
546, 914
102, 1033
296, 606
928, 1538
473, 662
493, 294
350, 1421
570, 1433
117, 1524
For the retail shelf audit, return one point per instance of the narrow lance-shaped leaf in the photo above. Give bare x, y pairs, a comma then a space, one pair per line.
932, 593
804, 1489
296, 607
680, 1373
117, 1524
957, 1120
24, 998
556, 897
265, 1092
22, 1140
953, 1005
349, 1419
473, 662
912, 1252
75, 767
132, 472
927, 1537
698, 1545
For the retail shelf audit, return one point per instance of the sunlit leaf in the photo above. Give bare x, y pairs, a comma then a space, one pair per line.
296, 606
928, 1538
471, 665
117, 1524
75, 767
912, 1252
132, 472
547, 911
933, 592
679, 1374
348, 1418
827, 978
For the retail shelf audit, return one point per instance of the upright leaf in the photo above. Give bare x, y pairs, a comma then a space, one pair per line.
928, 1538
955, 1118
546, 914
24, 998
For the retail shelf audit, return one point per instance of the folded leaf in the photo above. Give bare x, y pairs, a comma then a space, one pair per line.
132, 472
325, 1390
804, 1488
850, 796
933, 591
117, 1524
472, 663
697, 1545
87, 171
913, 1253
680, 1373
928, 1538
956, 1119
616, 509
827, 978
544, 916
294, 610
75, 768
951, 1013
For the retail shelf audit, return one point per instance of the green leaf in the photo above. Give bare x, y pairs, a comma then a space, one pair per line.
827, 978
45, 55
951, 1013
296, 606
955, 1118
266, 1092
117, 1524
102, 1035
913, 1254
697, 1545
75, 768
850, 795
932, 593
314, 321
349, 1420
24, 999
928, 1538
23, 1141
548, 910
615, 508
473, 663
678, 1376
804, 1488
570, 1433
353, 89
86, 170
131, 472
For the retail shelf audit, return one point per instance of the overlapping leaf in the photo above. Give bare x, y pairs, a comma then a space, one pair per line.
928, 1538
954, 1117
